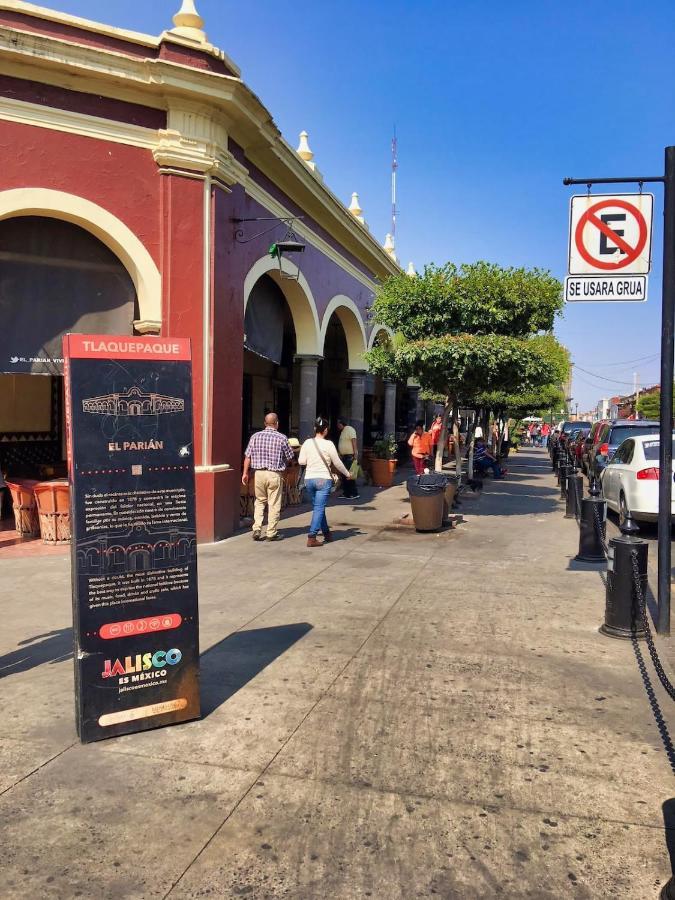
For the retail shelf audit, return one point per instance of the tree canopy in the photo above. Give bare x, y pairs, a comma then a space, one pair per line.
470, 331
649, 405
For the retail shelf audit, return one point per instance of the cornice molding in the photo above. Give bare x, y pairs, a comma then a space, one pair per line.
230, 103
76, 123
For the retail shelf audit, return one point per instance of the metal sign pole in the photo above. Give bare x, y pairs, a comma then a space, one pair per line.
666, 411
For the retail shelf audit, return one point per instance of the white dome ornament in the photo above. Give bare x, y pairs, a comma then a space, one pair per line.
410, 271
304, 151
188, 23
355, 208
389, 247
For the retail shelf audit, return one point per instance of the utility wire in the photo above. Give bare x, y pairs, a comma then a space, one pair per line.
629, 361
602, 377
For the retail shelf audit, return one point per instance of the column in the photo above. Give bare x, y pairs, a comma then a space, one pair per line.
414, 406
309, 372
358, 382
389, 423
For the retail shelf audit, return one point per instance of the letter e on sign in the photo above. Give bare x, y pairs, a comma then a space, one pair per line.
610, 234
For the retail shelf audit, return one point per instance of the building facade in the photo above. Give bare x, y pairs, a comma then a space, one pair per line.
134, 170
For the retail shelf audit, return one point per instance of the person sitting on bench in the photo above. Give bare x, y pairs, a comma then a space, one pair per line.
484, 460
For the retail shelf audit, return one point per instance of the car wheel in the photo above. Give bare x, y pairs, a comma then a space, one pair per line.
623, 508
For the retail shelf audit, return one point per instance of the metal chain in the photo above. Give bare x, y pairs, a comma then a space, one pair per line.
642, 603
600, 530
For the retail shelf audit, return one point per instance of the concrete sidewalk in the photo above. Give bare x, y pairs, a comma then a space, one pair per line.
391, 716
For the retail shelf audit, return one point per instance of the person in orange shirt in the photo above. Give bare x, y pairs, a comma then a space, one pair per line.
435, 432
420, 444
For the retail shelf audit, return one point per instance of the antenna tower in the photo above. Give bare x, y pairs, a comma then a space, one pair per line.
394, 167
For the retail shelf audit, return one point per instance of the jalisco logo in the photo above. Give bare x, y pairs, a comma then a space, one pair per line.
142, 665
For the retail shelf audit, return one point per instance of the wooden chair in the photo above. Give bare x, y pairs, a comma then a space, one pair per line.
53, 503
25, 509
292, 495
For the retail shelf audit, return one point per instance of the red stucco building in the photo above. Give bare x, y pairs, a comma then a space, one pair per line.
127, 162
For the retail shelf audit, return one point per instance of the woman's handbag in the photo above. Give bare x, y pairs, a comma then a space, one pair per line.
334, 476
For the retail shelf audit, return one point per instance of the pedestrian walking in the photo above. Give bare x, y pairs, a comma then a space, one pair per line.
545, 433
318, 455
348, 451
420, 447
268, 454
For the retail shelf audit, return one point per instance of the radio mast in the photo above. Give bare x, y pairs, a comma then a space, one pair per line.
394, 167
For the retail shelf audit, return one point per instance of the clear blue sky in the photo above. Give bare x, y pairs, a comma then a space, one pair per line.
494, 102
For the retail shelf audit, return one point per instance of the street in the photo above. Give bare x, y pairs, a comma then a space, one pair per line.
392, 716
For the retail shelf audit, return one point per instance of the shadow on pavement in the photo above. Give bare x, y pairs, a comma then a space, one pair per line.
237, 659
51, 647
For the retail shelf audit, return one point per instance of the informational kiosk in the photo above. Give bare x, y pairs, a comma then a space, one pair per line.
134, 549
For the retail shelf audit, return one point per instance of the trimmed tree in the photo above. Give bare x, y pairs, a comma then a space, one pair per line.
466, 330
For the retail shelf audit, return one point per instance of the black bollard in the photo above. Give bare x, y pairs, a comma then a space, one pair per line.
592, 536
575, 491
563, 472
626, 558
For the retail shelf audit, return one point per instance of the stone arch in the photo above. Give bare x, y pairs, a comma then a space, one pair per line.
376, 332
350, 318
110, 230
299, 297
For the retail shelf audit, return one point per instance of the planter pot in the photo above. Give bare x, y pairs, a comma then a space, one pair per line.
383, 471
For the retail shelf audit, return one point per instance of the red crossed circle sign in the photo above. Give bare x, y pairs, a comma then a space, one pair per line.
591, 217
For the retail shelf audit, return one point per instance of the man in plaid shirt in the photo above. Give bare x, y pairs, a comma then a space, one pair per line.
268, 453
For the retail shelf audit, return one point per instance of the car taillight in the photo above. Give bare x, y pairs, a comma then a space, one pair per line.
650, 474
604, 449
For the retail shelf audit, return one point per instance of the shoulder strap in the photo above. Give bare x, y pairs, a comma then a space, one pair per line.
321, 456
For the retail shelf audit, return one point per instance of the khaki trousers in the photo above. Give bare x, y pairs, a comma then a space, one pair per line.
268, 490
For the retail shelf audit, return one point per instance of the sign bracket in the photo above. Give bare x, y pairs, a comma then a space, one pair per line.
667, 362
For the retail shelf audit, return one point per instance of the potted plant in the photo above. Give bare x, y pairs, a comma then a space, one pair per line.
384, 460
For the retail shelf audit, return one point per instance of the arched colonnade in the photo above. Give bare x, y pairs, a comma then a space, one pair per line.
330, 374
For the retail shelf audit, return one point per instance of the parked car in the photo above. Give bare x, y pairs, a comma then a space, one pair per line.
630, 481
568, 428
608, 438
588, 446
577, 441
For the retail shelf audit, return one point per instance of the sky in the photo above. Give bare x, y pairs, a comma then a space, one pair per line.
493, 104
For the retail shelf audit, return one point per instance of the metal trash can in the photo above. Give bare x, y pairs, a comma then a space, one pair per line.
427, 500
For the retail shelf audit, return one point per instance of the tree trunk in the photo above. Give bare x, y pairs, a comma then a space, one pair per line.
442, 438
469, 443
455, 435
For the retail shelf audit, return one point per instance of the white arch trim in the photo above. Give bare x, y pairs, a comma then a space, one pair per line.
378, 329
355, 332
299, 297
110, 230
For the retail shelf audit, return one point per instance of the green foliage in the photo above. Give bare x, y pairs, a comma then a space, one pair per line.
467, 331
649, 405
386, 447
475, 298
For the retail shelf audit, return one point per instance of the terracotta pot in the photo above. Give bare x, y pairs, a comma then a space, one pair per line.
383, 471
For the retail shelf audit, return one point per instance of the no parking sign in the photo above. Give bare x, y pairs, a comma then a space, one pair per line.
609, 247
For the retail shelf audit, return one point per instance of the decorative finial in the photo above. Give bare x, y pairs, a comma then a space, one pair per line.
410, 271
389, 247
189, 23
355, 208
303, 150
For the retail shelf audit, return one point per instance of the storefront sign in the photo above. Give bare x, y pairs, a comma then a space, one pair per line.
134, 555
